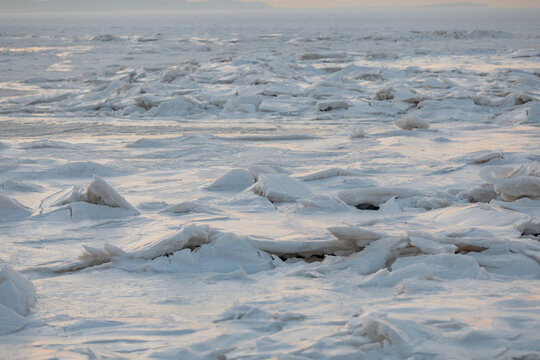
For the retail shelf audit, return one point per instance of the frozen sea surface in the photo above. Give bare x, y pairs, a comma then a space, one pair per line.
271, 185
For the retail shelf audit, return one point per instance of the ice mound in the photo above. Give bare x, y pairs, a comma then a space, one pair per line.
258, 319
325, 174
436, 83
377, 329
321, 203
356, 132
386, 278
189, 207
247, 104
357, 237
411, 122
383, 94
332, 104
280, 188
482, 157
104, 38
533, 114
45, 144
171, 74
192, 248
16, 292
235, 179
371, 198
320, 55
180, 106
444, 266
11, 209
12, 185
97, 192
513, 183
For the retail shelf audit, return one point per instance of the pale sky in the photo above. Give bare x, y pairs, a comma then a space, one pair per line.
390, 3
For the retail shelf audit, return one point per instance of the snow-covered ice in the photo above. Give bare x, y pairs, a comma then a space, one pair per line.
287, 185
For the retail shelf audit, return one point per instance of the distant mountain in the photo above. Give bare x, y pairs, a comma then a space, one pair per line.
55, 6
456, 5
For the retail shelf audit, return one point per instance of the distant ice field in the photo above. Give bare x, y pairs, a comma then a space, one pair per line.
277, 185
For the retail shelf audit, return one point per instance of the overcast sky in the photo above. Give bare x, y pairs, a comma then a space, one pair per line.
58, 6
401, 3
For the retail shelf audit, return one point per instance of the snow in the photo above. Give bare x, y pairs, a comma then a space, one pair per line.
203, 186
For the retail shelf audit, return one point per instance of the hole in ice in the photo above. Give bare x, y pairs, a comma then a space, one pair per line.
367, 207
468, 248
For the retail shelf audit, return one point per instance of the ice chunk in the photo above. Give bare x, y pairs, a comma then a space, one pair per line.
325, 174
280, 188
234, 179
481, 193
513, 183
257, 170
374, 196
97, 192
100, 193
411, 122
430, 203
16, 292
304, 248
11, 209
332, 104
